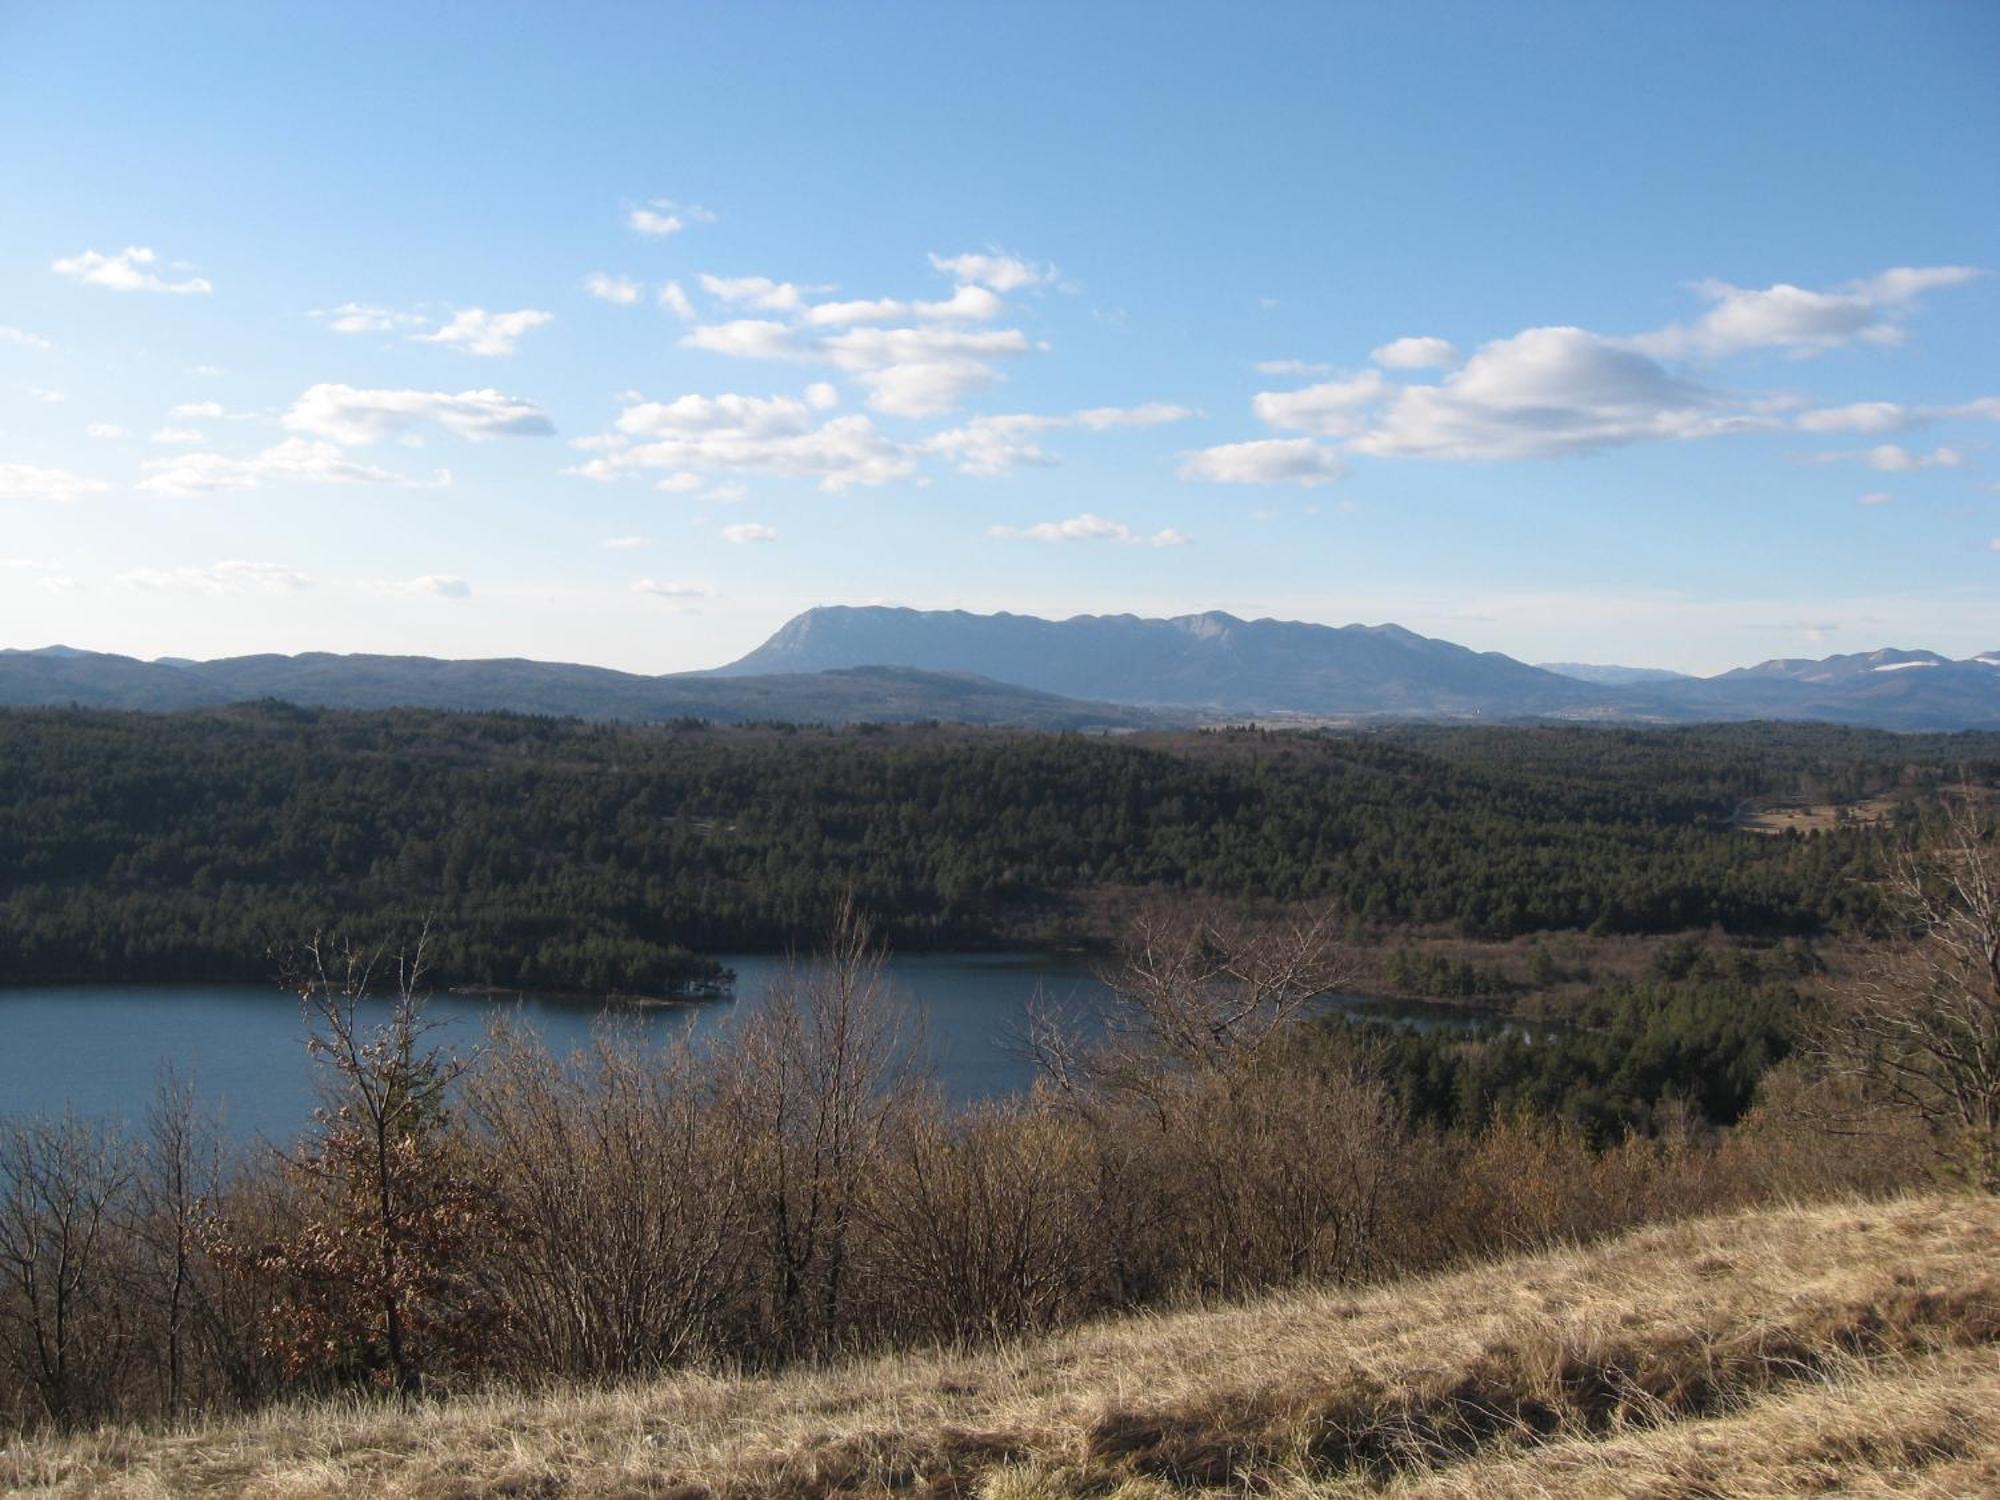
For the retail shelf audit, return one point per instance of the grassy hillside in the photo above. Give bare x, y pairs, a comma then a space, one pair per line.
1851, 1348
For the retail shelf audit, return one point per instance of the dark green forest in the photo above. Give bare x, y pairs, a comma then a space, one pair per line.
592, 857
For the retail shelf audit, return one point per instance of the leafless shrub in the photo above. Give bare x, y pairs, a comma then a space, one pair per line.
1920, 1028
625, 1202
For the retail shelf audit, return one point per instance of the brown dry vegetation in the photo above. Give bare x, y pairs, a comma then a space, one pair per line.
1851, 1348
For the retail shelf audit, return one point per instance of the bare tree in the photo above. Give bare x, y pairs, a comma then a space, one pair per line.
821, 1069
1921, 1027
62, 1185
1198, 992
179, 1176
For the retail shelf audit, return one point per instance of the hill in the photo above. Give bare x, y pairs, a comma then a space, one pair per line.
1848, 1348
871, 693
1211, 660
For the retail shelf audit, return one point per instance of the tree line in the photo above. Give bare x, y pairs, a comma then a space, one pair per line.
570, 856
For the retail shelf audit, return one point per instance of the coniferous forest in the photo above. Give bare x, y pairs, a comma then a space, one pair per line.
598, 858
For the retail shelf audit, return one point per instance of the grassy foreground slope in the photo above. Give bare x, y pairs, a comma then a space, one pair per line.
1852, 1348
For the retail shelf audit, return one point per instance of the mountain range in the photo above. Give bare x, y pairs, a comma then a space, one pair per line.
844, 664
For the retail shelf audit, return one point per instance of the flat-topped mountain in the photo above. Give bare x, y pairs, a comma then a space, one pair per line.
1206, 661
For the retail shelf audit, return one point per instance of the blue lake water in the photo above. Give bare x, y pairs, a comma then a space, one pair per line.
100, 1050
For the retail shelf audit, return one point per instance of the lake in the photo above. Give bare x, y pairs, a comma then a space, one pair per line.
99, 1049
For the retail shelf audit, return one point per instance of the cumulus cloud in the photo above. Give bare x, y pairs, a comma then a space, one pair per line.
1859, 416
106, 430
22, 339
33, 482
673, 588
696, 436
1299, 461
660, 218
989, 446
1334, 409
749, 531
299, 460
1799, 320
219, 578
759, 292
129, 270
183, 436
1291, 367
1875, 497
429, 585
608, 288
198, 410
1893, 458
1416, 354
995, 269
354, 417
1546, 392
1150, 414
360, 317
675, 301
477, 331
1087, 528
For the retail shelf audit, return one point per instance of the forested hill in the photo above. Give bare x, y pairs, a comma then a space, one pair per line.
596, 857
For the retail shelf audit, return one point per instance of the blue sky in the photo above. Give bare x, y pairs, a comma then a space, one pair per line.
620, 333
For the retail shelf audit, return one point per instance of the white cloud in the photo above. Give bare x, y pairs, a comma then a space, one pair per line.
206, 371
182, 436
696, 435
21, 338
969, 304
296, 459
1986, 407
1875, 497
673, 588
862, 310
1001, 272
821, 396
106, 430
31, 482
749, 531
477, 331
1298, 461
989, 446
675, 301
358, 317
1291, 367
1334, 409
220, 578
759, 292
1087, 528
733, 493
430, 585
199, 409
921, 372
1150, 414
608, 288
1893, 458
1546, 392
354, 417
655, 223
44, 393
129, 270
1416, 354
627, 543
1860, 416
1798, 320
746, 338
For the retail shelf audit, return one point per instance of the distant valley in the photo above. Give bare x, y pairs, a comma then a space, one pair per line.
1105, 672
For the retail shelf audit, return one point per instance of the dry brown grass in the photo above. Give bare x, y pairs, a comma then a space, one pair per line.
1817, 817
1853, 1348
